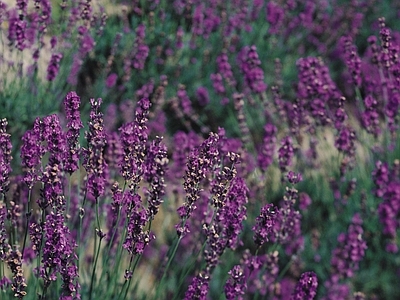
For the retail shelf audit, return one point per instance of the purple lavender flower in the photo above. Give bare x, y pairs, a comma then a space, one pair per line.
154, 167
136, 239
141, 50
5, 157
350, 250
266, 153
306, 288
32, 152
35, 235
389, 211
14, 262
111, 80
260, 272
344, 142
59, 255
5, 247
225, 69
232, 215
201, 160
184, 144
352, 60
52, 191
370, 117
54, 66
274, 15
134, 137
285, 153
236, 284
74, 124
202, 96
94, 162
265, 222
198, 289
381, 179
249, 64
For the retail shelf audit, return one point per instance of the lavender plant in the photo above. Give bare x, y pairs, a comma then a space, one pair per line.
199, 150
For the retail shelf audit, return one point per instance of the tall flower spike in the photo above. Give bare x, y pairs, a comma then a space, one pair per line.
14, 261
350, 250
285, 153
94, 162
32, 151
5, 157
265, 222
201, 160
134, 136
52, 190
198, 289
74, 124
236, 284
154, 172
306, 288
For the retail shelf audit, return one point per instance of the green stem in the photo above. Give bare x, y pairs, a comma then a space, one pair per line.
171, 258
28, 214
94, 269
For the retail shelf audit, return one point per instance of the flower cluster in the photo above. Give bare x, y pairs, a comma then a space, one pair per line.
250, 67
266, 153
5, 157
74, 124
306, 288
200, 162
134, 137
94, 162
350, 251
236, 284
141, 50
265, 222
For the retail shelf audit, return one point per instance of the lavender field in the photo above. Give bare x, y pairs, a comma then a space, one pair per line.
188, 149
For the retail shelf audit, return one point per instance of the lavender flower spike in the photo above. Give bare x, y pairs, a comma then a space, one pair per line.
5, 156
306, 288
71, 104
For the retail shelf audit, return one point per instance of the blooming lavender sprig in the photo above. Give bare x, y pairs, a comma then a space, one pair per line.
225, 69
265, 222
141, 50
198, 289
285, 153
93, 156
306, 288
381, 178
352, 60
389, 210
54, 66
137, 238
274, 15
155, 167
71, 103
233, 213
260, 271
59, 255
236, 285
350, 250
32, 151
266, 153
5, 247
5, 157
370, 117
249, 64
201, 161
52, 190
134, 138
14, 262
